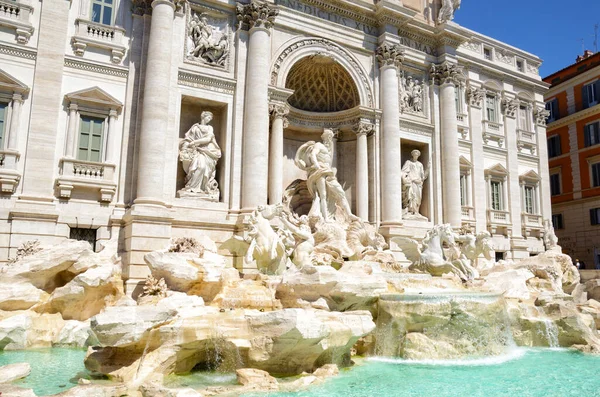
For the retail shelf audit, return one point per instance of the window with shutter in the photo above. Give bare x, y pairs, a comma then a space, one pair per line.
496, 188
490, 107
523, 119
596, 175
463, 190
557, 221
555, 184
592, 134
529, 200
554, 148
90, 139
595, 216
590, 95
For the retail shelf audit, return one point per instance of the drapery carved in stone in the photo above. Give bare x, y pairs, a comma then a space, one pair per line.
446, 73
411, 94
541, 115
256, 14
446, 13
390, 55
475, 96
206, 43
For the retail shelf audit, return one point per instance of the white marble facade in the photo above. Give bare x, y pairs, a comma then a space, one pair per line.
387, 77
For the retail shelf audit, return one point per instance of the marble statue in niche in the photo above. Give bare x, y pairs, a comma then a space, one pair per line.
206, 44
413, 177
446, 13
411, 95
199, 153
328, 195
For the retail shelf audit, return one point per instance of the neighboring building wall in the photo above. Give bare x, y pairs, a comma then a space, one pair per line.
574, 207
133, 75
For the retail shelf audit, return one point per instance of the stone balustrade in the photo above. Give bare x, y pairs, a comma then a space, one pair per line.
499, 222
16, 15
532, 224
526, 139
86, 175
100, 36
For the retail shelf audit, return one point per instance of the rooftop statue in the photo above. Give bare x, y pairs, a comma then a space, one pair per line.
446, 14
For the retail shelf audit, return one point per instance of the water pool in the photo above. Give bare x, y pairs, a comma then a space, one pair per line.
525, 373
52, 370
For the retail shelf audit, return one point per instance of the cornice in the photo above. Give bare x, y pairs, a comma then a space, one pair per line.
96, 67
18, 52
579, 79
207, 82
573, 118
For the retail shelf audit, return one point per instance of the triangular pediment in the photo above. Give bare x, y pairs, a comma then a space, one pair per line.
464, 163
497, 169
530, 176
95, 96
10, 84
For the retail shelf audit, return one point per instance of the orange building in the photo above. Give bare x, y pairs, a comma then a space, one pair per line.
574, 156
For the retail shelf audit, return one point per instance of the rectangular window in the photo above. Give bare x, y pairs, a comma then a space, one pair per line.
554, 148
595, 216
557, 221
523, 118
463, 190
592, 134
555, 184
487, 53
499, 255
90, 139
82, 234
596, 175
3, 114
496, 188
102, 11
552, 107
520, 65
490, 108
529, 200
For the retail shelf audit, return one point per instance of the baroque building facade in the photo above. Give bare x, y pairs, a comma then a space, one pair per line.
573, 101
145, 121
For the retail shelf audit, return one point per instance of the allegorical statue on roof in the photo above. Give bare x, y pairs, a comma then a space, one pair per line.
446, 14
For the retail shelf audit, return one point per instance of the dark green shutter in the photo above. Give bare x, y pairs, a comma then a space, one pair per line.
586, 133
90, 139
586, 101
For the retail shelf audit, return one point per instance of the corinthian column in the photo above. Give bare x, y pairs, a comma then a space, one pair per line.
155, 105
390, 58
362, 170
279, 114
447, 75
259, 16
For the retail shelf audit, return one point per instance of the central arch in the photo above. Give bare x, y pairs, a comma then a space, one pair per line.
297, 50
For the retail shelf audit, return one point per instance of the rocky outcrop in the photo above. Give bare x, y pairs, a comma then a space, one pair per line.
19, 295
12, 372
255, 379
8, 390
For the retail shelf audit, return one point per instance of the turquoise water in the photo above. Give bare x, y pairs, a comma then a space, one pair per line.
52, 370
526, 373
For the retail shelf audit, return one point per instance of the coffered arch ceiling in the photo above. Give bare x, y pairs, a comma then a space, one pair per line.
321, 85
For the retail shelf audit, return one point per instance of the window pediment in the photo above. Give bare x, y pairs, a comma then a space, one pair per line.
497, 170
94, 97
12, 85
530, 177
465, 165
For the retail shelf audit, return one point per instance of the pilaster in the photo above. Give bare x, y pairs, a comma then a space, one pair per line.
279, 113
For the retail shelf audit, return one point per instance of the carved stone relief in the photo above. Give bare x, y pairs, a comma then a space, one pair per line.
510, 107
541, 115
475, 96
390, 55
207, 40
411, 94
257, 14
446, 73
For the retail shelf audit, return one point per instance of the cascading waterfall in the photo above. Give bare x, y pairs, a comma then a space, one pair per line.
442, 326
551, 333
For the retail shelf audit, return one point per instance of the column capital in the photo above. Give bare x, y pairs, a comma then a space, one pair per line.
257, 14
145, 7
446, 73
475, 96
509, 107
17, 97
390, 55
112, 113
364, 128
280, 111
73, 106
541, 115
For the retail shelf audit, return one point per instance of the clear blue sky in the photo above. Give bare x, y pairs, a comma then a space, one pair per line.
550, 29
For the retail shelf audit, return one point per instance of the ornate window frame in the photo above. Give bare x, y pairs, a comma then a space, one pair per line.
466, 190
81, 174
499, 221
532, 222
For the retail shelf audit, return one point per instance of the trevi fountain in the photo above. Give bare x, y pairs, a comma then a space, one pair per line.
330, 310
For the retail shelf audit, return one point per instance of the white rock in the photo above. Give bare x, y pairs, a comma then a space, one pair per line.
12, 372
256, 379
13, 332
19, 295
512, 282
42, 268
74, 334
8, 390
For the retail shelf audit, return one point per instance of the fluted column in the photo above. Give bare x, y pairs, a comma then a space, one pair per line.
447, 75
13, 138
362, 170
390, 58
112, 145
259, 17
155, 106
279, 114
72, 131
